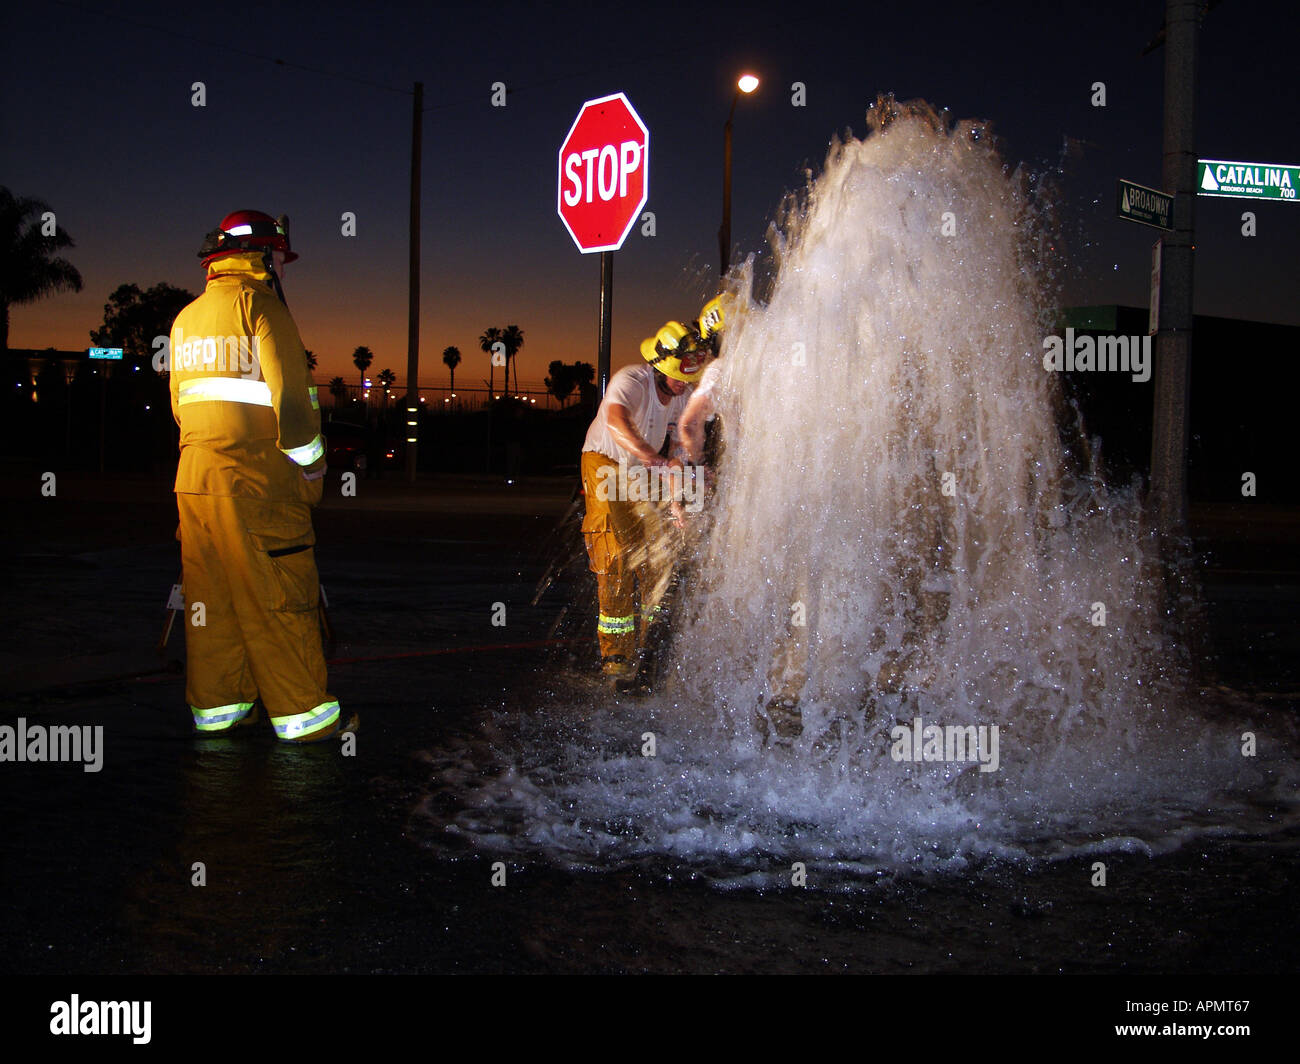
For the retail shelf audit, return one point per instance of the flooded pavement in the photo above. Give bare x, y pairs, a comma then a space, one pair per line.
486, 752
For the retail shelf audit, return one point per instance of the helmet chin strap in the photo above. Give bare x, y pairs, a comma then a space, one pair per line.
269, 261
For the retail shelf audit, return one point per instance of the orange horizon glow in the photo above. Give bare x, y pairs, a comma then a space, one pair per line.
64, 322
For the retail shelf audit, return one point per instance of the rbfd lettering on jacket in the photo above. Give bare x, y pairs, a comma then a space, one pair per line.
216, 354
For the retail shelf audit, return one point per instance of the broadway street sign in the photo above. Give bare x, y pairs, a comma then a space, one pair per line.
1138, 203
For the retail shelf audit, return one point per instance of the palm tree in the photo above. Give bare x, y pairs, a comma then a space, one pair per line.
561, 382
451, 356
513, 337
338, 389
311, 361
490, 336
361, 358
585, 374
27, 269
386, 379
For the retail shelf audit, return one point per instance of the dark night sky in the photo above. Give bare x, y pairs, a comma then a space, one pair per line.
97, 121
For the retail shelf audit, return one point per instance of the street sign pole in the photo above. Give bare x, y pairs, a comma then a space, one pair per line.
103, 415
606, 318
106, 356
1153, 312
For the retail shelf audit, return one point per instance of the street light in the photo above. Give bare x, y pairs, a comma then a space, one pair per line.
746, 84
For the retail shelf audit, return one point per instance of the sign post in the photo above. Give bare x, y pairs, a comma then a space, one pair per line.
1153, 313
108, 355
604, 181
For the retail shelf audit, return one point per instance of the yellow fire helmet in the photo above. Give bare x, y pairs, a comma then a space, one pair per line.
672, 352
712, 318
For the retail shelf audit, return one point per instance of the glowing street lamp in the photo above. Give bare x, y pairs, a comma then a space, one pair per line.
746, 84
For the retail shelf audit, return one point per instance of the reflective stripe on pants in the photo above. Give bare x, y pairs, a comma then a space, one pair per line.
301, 725
219, 718
616, 625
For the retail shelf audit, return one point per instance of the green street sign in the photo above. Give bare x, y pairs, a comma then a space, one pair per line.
1137, 203
106, 352
1268, 181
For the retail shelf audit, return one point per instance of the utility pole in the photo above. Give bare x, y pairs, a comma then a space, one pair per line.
1174, 338
413, 307
1181, 599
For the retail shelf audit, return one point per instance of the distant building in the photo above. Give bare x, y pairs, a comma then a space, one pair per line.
24, 367
66, 410
1241, 412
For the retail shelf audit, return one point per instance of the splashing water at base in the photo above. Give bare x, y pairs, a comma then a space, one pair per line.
899, 540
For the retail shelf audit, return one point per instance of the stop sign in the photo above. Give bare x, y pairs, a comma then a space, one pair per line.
604, 173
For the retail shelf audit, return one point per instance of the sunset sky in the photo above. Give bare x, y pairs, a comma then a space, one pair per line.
98, 122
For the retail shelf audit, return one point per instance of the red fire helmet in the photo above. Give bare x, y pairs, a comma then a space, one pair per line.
247, 231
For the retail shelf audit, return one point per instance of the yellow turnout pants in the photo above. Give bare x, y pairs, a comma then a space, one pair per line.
251, 625
629, 549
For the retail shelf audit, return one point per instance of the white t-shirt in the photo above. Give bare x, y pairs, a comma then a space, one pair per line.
634, 388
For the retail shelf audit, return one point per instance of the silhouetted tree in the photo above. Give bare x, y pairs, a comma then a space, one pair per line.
585, 374
338, 389
386, 380
513, 337
28, 269
361, 358
490, 336
132, 318
561, 381
451, 357
311, 361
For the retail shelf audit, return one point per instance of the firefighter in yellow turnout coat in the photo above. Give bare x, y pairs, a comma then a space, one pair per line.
252, 463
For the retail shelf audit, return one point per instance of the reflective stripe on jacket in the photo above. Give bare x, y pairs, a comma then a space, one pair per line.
241, 391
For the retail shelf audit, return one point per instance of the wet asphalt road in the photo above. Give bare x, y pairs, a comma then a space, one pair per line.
314, 862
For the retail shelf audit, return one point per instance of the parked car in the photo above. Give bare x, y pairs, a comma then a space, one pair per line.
354, 447
345, 446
